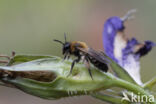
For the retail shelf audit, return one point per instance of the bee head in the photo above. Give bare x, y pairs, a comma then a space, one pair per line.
66, 45
66, 48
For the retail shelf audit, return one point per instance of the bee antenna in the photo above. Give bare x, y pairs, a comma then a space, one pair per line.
59, 41
65, 37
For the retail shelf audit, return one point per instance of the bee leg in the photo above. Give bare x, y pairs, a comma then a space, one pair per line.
88, 67
83, 59
73, 63
65, 56
68, 57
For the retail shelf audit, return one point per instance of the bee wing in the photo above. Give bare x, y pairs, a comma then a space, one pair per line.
95, 54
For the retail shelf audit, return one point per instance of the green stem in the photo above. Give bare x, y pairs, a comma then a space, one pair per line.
132, 87
113, 92
150, 83
109, 98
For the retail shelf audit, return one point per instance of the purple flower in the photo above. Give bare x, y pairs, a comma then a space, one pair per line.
126, 52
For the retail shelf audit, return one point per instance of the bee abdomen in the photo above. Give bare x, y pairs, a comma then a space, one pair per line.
100, 65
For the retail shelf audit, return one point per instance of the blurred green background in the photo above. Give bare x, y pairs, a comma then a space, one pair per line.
29, 26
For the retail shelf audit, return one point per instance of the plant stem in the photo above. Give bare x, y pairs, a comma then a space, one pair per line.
109, 98
138, 90
150, 83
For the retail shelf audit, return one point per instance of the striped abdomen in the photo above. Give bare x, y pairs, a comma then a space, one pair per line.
100, 65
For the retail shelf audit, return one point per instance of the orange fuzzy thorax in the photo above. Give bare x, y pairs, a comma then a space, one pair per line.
79, 44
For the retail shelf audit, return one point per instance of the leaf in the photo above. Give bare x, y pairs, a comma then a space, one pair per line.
26, 58
119, 71
79, 83
150, 83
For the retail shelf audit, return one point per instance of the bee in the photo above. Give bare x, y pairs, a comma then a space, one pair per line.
83, 52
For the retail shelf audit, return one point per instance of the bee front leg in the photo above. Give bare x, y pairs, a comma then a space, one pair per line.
73, 63
65, 56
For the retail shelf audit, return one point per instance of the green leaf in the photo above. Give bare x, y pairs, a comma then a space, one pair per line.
79, 83
26, 58
150, 83
119, 71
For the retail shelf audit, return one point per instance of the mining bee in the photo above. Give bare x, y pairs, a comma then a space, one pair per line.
82, 51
